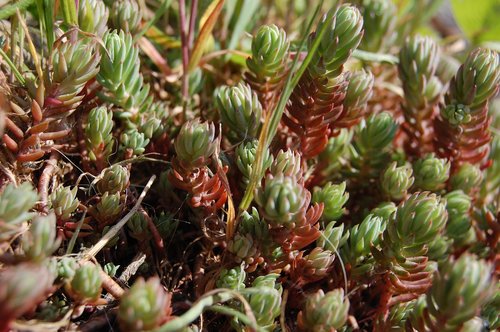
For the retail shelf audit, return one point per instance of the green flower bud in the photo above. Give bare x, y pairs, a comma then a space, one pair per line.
379, 20
417, 221
476, 80
466, 178
458, 205
269, 51
288, 163
232, 279
362, 237
92, 16
114, 179
418, 62
108, 209
41, 239
336, 152
120, 75
245, 157
264, 298
195, 144
324, 312
66, 268
64, 202
144, 307
240, 111
126, 15
111, 269
86, 284
457, 114
358, 92
341, 38
396, 181
282, 200
334, 197
371, 143
74, 63
24, 286
331, 238
98, 135
15, 204
458, 290
134, 141
431, 173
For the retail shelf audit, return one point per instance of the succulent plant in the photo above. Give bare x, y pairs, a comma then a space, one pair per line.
282, 200
232, 278
334, 197
458, 205
287, 162
362, 237
108, 209
460, 287
396, 181
371, 143
66, 268
265, 299
15, 204
98, 133
134, 141
119, 74
92, 16
126, 16
41, 241
379, 21
466, 178
332, 237
245, 157
324, 312
345, 29
85, 286
144, 307
24, 286
269, 48
195, 144
431, 173
359, 91
240, 111
64, 202
114, 179
74, 63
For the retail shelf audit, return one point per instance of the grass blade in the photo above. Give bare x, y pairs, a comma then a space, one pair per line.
211, 14
9, 10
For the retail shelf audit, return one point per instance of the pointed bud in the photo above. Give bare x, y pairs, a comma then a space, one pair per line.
466, 178
114, 179
245, 157
134, 141
324, 312
334, 197
269, 51
396, 181
126, 15
98, 135
15, 204
431, 173
64, 202
144, 307
379, 21
92, 16
86, 284
195, 144
232, 279
41, 240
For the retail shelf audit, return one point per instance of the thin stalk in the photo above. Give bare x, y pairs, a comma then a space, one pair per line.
185, 52
13, 68
192, 20
31, 46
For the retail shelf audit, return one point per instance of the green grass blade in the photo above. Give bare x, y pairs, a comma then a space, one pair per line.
12, 67
159, 13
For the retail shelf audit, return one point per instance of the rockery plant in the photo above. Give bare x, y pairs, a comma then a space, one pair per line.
247, 166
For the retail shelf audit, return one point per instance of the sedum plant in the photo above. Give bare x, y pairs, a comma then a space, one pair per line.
249, 166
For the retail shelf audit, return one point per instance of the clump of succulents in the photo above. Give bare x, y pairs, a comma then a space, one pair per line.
334, 171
